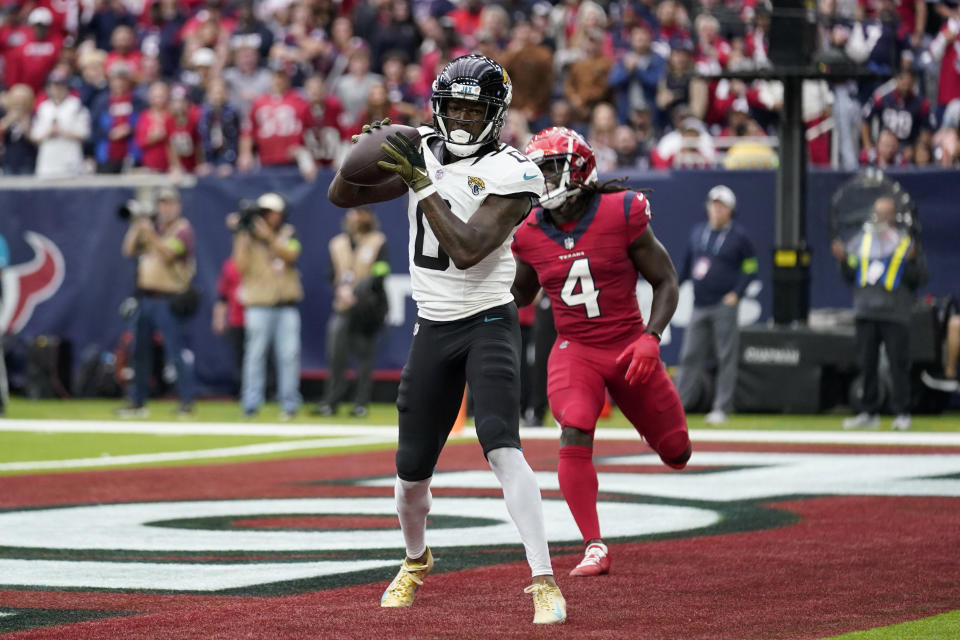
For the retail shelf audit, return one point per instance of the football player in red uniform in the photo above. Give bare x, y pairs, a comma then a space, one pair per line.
585, 246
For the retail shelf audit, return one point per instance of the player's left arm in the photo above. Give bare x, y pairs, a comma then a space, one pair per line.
652, 262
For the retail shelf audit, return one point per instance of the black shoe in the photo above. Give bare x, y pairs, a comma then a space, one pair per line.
359, 411
185, 410
532, 418
324, 409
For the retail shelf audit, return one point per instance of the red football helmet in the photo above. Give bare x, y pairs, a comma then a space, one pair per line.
566, 160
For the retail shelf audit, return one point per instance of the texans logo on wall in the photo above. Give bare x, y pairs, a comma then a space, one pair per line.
27, 284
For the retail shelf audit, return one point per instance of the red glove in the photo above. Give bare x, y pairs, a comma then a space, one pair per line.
644, 356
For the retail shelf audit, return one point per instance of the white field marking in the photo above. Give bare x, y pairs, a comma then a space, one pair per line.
170, 576
526, 433
776, 437
171, 456
196, 428
133, 526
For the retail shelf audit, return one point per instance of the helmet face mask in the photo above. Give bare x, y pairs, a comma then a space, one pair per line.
566, 161
470, 79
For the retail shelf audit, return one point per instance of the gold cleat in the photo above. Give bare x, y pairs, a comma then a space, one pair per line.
548, 603
404, 587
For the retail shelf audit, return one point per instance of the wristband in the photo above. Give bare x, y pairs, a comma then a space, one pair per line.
426, 192
655, 334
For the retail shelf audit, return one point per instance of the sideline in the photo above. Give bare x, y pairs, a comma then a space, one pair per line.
173, 456
875, 437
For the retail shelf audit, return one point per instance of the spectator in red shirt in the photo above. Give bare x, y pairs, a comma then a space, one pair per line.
114, 117
154, 127
466, 19
13, 33
124, 45
275, 126
946, 48
185, 135
32, 61
324, 138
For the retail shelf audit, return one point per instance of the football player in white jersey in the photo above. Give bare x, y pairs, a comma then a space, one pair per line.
468, 192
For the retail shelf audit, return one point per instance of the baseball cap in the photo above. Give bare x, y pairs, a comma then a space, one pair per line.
271, 202
40, 15
203, 57
168, 193
724, 194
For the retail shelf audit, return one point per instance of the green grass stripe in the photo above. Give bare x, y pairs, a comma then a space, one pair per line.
945, 626
21, 446
386, 413
26, 447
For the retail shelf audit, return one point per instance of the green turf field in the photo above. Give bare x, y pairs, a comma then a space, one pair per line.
942, 627
386, 414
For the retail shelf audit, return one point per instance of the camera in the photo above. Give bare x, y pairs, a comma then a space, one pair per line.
248, 212
132, 209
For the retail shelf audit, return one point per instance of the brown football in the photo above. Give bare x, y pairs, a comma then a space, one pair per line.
359, 167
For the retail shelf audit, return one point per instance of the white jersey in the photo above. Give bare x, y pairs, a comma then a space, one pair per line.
442, 291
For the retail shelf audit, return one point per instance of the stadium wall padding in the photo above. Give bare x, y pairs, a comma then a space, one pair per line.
83, 224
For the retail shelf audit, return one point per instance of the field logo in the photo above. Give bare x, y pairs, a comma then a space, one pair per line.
28, 284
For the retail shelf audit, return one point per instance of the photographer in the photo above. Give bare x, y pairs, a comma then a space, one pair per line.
359, 260
885, 265
265, 249
164, 248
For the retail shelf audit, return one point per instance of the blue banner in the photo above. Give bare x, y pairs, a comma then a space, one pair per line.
68, 277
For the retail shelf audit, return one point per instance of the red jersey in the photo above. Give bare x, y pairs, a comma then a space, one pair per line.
276, 125
185, 138
121, 112
32, 61
133, 60
155, 154
587, 272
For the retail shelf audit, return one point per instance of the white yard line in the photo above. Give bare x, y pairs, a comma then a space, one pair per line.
172, 456
196, 428
349, 435
526, 433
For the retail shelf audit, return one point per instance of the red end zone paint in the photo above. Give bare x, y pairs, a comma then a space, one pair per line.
849, 563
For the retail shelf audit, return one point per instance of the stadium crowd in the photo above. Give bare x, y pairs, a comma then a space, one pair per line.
220, 86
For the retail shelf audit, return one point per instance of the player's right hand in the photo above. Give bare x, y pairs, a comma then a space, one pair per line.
367, 128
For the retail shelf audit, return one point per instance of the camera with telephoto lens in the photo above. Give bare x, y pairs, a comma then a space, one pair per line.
134, 209
248, 212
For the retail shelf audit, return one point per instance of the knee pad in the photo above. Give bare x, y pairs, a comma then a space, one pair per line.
674, 449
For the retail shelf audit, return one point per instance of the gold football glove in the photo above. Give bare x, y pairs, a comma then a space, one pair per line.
408, 161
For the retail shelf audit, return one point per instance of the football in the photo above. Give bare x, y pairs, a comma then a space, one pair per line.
360, 168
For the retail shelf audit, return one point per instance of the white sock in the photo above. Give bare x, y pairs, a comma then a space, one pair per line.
522, 495
413, 505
